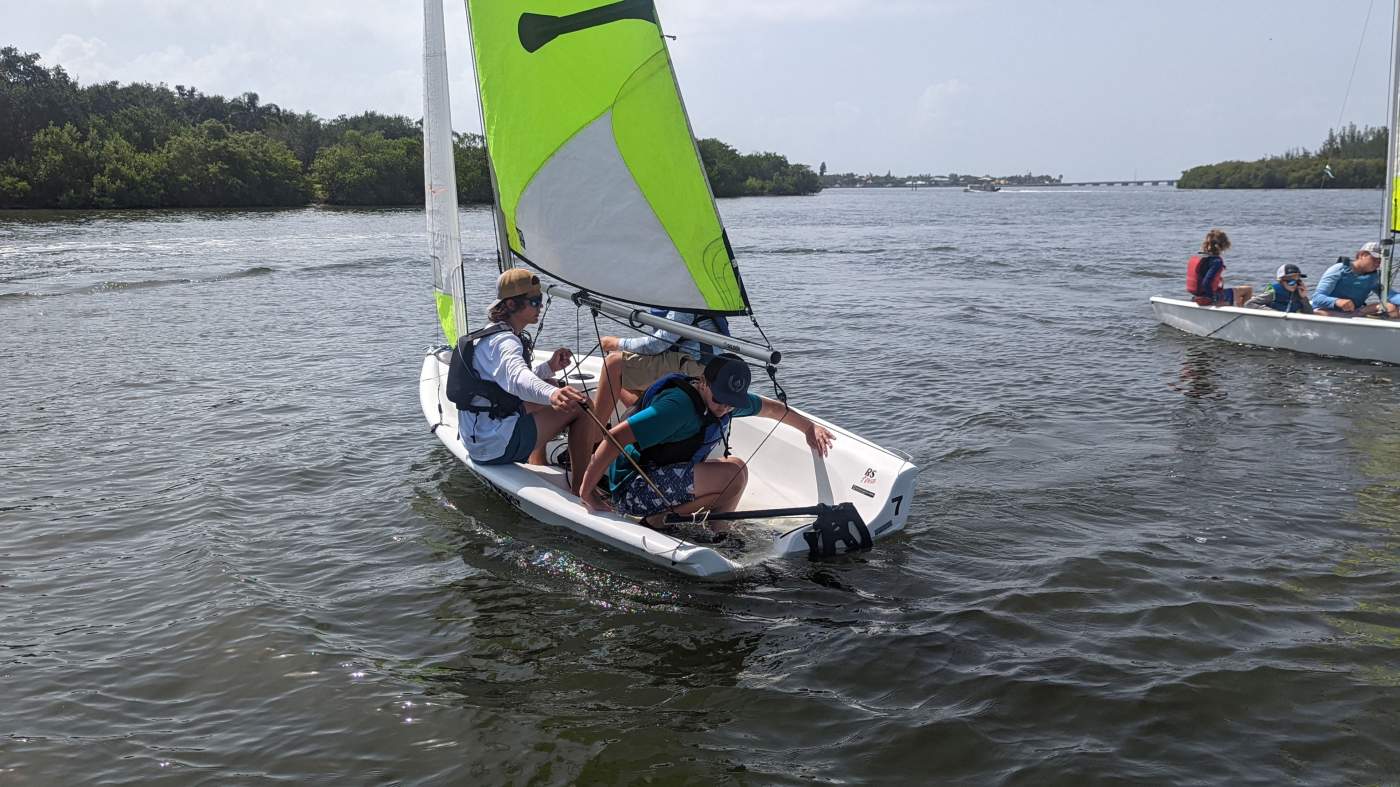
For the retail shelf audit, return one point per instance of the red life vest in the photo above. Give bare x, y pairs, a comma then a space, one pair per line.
1199, 266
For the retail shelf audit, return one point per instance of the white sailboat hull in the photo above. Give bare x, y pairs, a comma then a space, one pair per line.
1357, 337
784, 473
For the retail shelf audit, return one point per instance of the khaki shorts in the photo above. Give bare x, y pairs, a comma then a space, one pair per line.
640, 371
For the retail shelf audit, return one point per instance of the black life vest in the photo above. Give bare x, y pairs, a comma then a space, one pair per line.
692, 449
464, 382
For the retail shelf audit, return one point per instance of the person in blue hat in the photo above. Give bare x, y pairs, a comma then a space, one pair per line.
1288, 292
679, 424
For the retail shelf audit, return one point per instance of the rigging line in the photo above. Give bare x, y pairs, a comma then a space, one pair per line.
578, 325
1357, 59
757, 448
539, 324
754, 319
603, 369
1223, 327
575, 367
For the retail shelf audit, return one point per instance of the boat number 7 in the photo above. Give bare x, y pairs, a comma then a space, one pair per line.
897, 501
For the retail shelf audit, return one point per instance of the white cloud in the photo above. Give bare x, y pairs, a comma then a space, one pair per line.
82, 58
939, 102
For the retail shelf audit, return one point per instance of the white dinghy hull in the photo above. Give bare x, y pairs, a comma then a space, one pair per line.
1360, 338
785, 473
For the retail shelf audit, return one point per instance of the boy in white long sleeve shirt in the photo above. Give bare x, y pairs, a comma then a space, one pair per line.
508, 411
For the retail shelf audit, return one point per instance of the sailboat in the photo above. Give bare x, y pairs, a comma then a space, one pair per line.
600, 189
1360, 338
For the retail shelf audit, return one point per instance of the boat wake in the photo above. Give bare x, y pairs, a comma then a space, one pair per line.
103, 287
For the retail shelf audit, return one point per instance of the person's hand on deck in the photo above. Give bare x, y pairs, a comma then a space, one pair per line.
560, 358
819, 439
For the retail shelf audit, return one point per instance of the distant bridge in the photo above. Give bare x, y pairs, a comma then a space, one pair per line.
1158, 182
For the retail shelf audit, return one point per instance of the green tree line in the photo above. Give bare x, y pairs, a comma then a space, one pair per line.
734, 174
1350, 158
107, 145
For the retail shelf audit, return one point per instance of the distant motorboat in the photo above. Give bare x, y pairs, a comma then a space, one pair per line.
987, 187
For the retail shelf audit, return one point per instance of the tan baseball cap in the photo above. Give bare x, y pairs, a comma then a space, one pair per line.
516, 281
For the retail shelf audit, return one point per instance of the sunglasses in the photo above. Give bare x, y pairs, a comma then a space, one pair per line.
1291, 281
536, 301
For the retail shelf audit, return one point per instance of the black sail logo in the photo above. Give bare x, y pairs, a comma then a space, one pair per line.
536, 30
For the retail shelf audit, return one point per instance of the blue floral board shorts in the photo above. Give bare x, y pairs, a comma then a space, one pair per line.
637, 498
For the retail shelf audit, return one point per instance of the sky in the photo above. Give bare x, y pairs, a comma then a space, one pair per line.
1087, 89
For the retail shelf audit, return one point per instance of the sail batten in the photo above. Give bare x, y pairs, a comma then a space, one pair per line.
599, 182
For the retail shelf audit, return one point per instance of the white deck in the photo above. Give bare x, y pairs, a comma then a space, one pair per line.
786, 472
1362, 338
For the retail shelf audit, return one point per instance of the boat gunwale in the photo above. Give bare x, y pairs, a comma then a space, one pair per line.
1357, 322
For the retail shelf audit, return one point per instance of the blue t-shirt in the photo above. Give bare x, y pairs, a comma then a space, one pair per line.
669, 418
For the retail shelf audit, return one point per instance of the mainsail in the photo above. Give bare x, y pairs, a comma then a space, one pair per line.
440, 178
598, 179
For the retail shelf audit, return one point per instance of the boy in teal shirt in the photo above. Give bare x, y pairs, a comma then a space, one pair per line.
671, 438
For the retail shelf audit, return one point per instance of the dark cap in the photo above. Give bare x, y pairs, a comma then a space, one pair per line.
1289, 269
728, 377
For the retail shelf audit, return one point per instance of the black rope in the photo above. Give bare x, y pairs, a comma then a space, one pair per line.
757, 448
539, 325
766, 342
778, 392
603, 370
1223, 327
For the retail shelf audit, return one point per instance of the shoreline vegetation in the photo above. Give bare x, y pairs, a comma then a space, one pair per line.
1352, 158
850, 180
107, 145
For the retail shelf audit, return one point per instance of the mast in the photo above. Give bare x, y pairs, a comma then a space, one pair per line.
440, 176
503, 258
1392, 110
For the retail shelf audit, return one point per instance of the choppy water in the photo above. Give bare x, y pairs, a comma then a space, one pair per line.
231, 551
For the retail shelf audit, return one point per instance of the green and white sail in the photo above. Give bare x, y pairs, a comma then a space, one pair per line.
598, 179
440, 178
